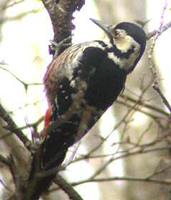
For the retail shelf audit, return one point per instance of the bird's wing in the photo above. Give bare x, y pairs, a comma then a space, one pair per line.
65, 85
66, 76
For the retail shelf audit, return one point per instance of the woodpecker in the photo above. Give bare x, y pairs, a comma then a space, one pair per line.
83, 82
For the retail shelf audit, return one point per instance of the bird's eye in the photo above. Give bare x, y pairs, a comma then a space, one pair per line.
118, 33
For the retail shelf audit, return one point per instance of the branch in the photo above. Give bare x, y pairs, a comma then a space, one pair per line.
60, 13
148, 180
65, 186
13, 127
156, 34
20, 159
125, 155
26, 85
4, 160
165, 101
152, 108
11, 4
163, 29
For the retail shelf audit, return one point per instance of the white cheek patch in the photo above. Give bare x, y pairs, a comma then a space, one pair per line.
124, 43
126, 63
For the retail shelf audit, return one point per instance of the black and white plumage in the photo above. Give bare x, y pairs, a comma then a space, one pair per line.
84, 80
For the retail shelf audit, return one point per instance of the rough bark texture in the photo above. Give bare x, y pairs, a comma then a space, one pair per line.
61, 15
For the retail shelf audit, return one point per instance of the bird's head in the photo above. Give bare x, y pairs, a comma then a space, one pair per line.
125, 36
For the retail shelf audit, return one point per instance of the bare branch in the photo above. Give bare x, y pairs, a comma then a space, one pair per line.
165, 101
13, 127
10, 4
163, 29
151, 107
155, 34
18, 79
148, 180
67, 187
4, 160
61, 13
5, 186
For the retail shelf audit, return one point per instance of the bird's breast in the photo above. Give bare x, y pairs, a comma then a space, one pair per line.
105, 85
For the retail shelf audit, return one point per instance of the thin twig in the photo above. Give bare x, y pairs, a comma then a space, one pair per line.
155, 34
124, 154
163, 29
155, 181
18, 79
4, 160
13, 127
165, 101
5, 186
151, 107
11, 4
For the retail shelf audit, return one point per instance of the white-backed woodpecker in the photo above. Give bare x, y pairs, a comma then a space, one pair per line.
84, 80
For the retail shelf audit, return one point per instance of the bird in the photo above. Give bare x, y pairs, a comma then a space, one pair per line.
84, 81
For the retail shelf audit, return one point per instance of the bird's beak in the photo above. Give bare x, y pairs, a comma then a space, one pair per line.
105, 28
